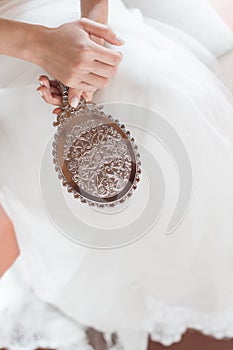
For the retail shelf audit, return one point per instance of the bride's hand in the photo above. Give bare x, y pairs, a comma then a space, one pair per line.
51, 93
88, 95
69, 55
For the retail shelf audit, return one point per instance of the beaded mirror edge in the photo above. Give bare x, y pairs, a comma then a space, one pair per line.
69, 114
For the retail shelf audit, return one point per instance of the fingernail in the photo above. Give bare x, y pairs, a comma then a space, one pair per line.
41, 93
120, 40
74, 102
41, 83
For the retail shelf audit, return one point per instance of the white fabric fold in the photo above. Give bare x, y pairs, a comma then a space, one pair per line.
145, 287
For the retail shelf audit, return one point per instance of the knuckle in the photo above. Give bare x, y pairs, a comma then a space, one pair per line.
83, 21
120, 56
46, 99
43, 77
117, 58
78, 65
68, 75
84, 47
83, 56
90, 88
68, 81
81, 47
108, 28
114, 71
104, 83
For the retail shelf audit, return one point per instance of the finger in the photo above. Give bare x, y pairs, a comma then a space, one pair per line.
57, 110
96, 80
48, 97
103, 70
105, 55
83, 86
88, 96
74, 96
54, 91
56, 84
97, 40
101, 31
52, 85
44, 81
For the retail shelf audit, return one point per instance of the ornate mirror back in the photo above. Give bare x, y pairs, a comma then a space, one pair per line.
95, 156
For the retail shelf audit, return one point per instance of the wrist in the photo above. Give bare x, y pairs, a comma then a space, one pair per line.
21, 40
36, 44
96, 11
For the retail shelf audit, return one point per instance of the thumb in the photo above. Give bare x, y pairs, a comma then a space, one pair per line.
101, 31
74, 97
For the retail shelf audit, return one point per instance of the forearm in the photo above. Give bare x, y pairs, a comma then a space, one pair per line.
20, 40
97, 10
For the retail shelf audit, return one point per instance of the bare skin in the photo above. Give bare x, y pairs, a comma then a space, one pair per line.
96, 10
88, 64
225, 9
9, 249
16, 33
82, 64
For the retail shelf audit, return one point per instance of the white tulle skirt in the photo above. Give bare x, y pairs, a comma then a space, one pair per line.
161, 284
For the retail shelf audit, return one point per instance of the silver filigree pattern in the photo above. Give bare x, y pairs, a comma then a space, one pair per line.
94, 155
99, 161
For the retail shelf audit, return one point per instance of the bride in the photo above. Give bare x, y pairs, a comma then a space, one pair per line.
161, 284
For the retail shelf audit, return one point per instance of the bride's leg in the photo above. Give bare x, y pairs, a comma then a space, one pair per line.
225, 9
9, 249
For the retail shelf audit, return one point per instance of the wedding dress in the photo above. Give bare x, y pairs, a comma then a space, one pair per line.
160, 284
196, 18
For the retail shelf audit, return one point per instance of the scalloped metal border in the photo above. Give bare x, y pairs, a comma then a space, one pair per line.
89, 108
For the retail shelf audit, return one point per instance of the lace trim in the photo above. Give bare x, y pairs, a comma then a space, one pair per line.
167, 324
31, 323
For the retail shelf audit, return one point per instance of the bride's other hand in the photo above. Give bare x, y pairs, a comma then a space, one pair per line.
49, 90
51, 93
68, 54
